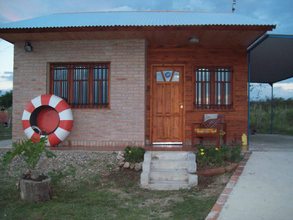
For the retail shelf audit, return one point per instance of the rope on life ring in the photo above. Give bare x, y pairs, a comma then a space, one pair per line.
39, 106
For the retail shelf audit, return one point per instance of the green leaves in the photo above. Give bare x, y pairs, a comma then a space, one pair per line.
209, 156
6, 100
134, 154
30, 152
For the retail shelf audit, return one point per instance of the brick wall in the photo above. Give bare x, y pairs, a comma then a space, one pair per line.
123, 123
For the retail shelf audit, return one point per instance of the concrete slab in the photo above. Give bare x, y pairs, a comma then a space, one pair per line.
271, 142
6, 144
264, 190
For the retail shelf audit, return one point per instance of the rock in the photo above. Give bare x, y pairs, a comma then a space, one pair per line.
138, 166
132, 166
126, 165
121, 163
74, 164
121, 160
120, 156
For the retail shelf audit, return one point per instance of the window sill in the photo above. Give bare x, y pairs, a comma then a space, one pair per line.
214, 108
90, 107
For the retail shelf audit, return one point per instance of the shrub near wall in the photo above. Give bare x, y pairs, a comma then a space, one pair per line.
134, 154
131, 157
209, 156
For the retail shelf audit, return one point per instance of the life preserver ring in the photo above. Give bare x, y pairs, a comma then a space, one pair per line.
47, 116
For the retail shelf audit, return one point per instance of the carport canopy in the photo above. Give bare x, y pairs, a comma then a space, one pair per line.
271, 59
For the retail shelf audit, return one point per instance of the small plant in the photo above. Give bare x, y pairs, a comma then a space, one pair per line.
30, 152
134, 154
218, 156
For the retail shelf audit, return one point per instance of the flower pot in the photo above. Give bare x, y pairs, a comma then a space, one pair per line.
211, 171
231, 167
35, 191
217, 170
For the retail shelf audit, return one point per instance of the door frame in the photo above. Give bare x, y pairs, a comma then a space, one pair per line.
151, 100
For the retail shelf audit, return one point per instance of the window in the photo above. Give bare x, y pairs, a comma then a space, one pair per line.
213, 88
167, 76
81, 85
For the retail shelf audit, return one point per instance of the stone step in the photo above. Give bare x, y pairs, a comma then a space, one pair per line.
168, 185
169, 164
168, 175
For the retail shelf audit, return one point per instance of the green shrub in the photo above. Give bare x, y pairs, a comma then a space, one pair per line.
235, 154
134, 154
260, 116
30, 152
232, 153
289, 115
217, 156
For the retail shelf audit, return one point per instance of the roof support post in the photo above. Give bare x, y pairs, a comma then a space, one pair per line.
272, 107
248, 93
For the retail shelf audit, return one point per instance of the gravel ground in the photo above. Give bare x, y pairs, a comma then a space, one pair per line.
72, 164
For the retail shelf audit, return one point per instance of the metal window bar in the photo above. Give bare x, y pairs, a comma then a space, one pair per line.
202, 87
75, 82
60, 82
221, 87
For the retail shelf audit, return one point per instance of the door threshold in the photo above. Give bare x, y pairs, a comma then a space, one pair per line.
167, 144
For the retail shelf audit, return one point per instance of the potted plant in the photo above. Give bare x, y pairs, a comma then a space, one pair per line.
34, 186
217, 160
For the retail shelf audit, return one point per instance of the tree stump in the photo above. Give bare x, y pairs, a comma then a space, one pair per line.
35, 191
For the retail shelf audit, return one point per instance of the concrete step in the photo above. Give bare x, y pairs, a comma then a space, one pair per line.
162, 155
169, 164
168, 185
168, 175
168, 170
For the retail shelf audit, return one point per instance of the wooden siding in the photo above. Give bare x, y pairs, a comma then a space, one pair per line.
236, 117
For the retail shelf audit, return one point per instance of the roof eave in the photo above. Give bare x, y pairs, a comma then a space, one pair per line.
147, 27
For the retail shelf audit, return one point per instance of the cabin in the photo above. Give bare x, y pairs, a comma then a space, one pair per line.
136, 78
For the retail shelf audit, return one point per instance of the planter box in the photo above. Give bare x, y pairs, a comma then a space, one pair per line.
217, 170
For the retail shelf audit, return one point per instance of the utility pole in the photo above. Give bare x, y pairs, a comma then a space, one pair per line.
233, 6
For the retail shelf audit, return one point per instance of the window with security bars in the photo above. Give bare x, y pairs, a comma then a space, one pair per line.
81, 85
213, 88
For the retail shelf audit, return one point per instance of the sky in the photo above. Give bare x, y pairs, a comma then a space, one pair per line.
272, 11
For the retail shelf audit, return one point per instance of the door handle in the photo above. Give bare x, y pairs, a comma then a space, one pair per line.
181, 106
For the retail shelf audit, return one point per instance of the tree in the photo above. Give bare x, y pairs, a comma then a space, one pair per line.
6, 100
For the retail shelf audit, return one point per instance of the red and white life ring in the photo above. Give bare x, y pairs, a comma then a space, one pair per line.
47, 116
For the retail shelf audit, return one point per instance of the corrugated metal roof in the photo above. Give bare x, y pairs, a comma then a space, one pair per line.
271, 59
132, 18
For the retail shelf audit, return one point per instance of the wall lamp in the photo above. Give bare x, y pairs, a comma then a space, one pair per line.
28, 47
193, 40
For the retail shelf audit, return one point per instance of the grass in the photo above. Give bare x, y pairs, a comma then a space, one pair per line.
114, 196
260, 116
5, 133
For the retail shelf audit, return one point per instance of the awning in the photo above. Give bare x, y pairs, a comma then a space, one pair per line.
271, 59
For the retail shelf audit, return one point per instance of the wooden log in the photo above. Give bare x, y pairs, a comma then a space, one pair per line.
35, 191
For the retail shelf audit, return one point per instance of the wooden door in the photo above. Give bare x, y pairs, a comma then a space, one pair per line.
167, 104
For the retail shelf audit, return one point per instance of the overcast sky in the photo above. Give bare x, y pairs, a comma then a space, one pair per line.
272, 11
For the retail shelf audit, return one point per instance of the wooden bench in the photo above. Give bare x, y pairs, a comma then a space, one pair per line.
212, 127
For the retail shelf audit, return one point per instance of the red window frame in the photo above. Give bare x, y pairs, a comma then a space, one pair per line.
213, 88
82, 85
